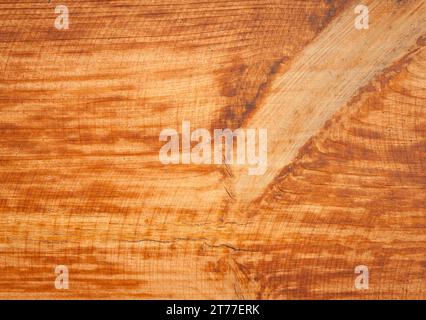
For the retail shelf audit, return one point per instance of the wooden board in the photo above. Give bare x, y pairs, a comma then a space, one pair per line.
81, 184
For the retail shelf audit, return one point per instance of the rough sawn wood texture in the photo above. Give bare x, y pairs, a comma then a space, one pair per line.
81, 183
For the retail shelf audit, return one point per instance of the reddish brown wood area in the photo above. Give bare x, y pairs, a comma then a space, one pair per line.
81, 183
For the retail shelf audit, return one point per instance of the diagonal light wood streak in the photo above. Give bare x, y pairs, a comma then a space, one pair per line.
323, 78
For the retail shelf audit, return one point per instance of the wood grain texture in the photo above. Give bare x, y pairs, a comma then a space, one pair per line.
81, 183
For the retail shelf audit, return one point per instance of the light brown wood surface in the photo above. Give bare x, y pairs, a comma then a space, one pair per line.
81, 183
